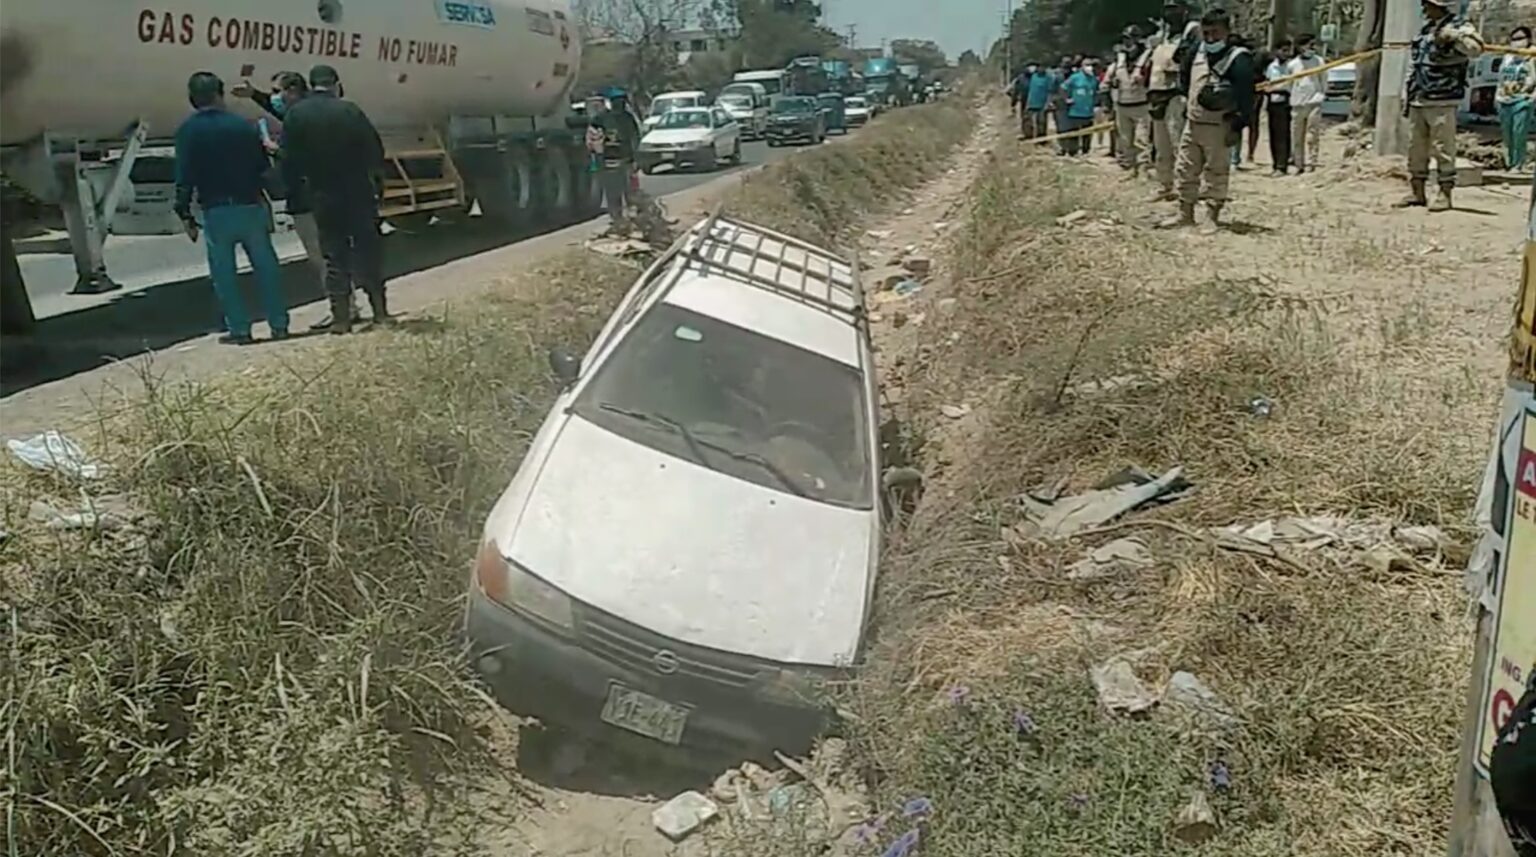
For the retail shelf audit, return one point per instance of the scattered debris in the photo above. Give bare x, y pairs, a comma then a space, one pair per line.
620, 247
940, 226
107, 512
1186, 692
955, 412
682, 815
1074, 217
1120, 691
1107, 385
1221, 777
879, 234
907, 288
1196, 821
1121, 493
919, 266
899, 319
1119, 556
947, 304
1261, 406
54, 451
1378, 545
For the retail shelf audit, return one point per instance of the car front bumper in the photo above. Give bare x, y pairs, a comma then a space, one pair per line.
791, 132
657, 157
565, 679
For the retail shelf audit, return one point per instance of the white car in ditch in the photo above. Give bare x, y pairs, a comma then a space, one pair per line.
688, 550
698, 136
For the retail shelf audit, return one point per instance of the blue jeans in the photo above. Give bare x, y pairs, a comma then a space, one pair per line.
224, 226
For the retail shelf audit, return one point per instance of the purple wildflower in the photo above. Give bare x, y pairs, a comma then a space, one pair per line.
903, 847
1024, 724
918, 807
868, 831
960, 695
1221, 776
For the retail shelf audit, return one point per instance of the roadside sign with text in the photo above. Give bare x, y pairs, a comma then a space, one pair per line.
1514, 636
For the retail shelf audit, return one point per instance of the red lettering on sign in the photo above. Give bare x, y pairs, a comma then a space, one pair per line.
1502, 707
213, 31
146, 26
1525, 472
186, 29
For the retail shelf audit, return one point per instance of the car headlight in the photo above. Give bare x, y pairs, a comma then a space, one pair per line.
516, 588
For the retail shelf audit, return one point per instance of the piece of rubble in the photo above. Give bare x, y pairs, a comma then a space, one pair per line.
724, 788
1070, 515
1196, 821
1116, 557
955, 412
947, 304
907, 288
1385, 558
1186, 692
1074, 217
619, 247
1120, 691
679, 817
879, 234
1426, 538
898, 319
919, 266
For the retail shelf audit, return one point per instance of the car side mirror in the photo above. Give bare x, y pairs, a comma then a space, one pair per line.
565, 365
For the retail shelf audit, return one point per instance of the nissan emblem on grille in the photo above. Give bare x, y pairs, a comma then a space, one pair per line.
665, 662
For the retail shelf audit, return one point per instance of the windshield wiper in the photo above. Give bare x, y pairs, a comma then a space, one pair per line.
753, 458
660, 419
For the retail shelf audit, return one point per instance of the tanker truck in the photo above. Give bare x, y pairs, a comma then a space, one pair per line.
471, 97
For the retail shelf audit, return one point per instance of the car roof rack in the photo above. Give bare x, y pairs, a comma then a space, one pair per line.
777, 262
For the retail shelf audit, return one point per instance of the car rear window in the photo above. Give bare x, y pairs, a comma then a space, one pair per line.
753, 407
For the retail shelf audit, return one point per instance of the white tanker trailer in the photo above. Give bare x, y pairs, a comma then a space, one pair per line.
471, 97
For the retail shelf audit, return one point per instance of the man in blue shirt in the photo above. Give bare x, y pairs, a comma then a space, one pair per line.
1081, 92
1036, 99
220, 162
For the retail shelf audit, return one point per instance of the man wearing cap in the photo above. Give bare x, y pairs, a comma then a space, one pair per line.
614, 136
332, 150
1437, 81
1166, 91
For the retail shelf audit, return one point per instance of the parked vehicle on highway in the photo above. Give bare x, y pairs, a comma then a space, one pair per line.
698, 136
666, 102
688, 551
858, 109
748, 105
774, 81
834, 114
796, 118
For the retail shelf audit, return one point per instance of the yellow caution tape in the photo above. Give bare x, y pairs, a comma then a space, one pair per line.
1322, 69
1082, 132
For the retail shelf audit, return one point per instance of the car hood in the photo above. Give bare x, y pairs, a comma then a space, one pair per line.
676, 135
696, 555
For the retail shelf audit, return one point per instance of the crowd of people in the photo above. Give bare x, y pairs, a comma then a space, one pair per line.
313, 148
1176, 104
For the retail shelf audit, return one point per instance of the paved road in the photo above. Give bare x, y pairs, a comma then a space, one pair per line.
142, 262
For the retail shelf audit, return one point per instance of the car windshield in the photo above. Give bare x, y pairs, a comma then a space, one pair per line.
794, 106
737, 403
685, 119
856, 103
663, 106
740, 102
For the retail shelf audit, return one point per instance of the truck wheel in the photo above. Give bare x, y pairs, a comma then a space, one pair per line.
557, 192
506, 192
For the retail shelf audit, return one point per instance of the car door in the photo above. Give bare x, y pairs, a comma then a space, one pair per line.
719, 131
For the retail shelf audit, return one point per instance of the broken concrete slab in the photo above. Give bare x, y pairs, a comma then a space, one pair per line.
679, 817
1108, 560
1075, 217
1120, 690
1196, 821
1185, 692
918, 266
1070, 515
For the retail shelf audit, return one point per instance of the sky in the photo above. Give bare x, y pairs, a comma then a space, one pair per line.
955, 24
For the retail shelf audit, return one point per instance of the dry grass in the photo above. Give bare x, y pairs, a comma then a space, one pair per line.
273, 668
1348, 683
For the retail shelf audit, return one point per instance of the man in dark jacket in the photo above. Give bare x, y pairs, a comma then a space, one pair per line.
616, 139
332, 152
1220, 93
1437, 81
220, 164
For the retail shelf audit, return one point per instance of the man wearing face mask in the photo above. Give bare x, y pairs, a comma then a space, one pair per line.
1307, 95
1166, 101
1133, 117
1221, 94
1437, 81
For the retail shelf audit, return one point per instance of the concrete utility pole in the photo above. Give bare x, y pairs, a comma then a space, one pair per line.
1402, 24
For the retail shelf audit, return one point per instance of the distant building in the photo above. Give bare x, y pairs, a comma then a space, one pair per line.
686, 43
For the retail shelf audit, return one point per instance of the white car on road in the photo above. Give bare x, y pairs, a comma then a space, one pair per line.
667, 102
857, 110
699, 136
749, 112
688, 550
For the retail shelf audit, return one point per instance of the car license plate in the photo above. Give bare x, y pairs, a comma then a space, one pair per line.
644, 714
667, 156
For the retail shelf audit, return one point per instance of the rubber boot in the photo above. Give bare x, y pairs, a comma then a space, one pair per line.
341, 315
1443, 199
1415, 197
1213, 224
1185, 217
379, 303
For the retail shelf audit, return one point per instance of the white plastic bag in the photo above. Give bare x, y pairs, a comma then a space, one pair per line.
54, 451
